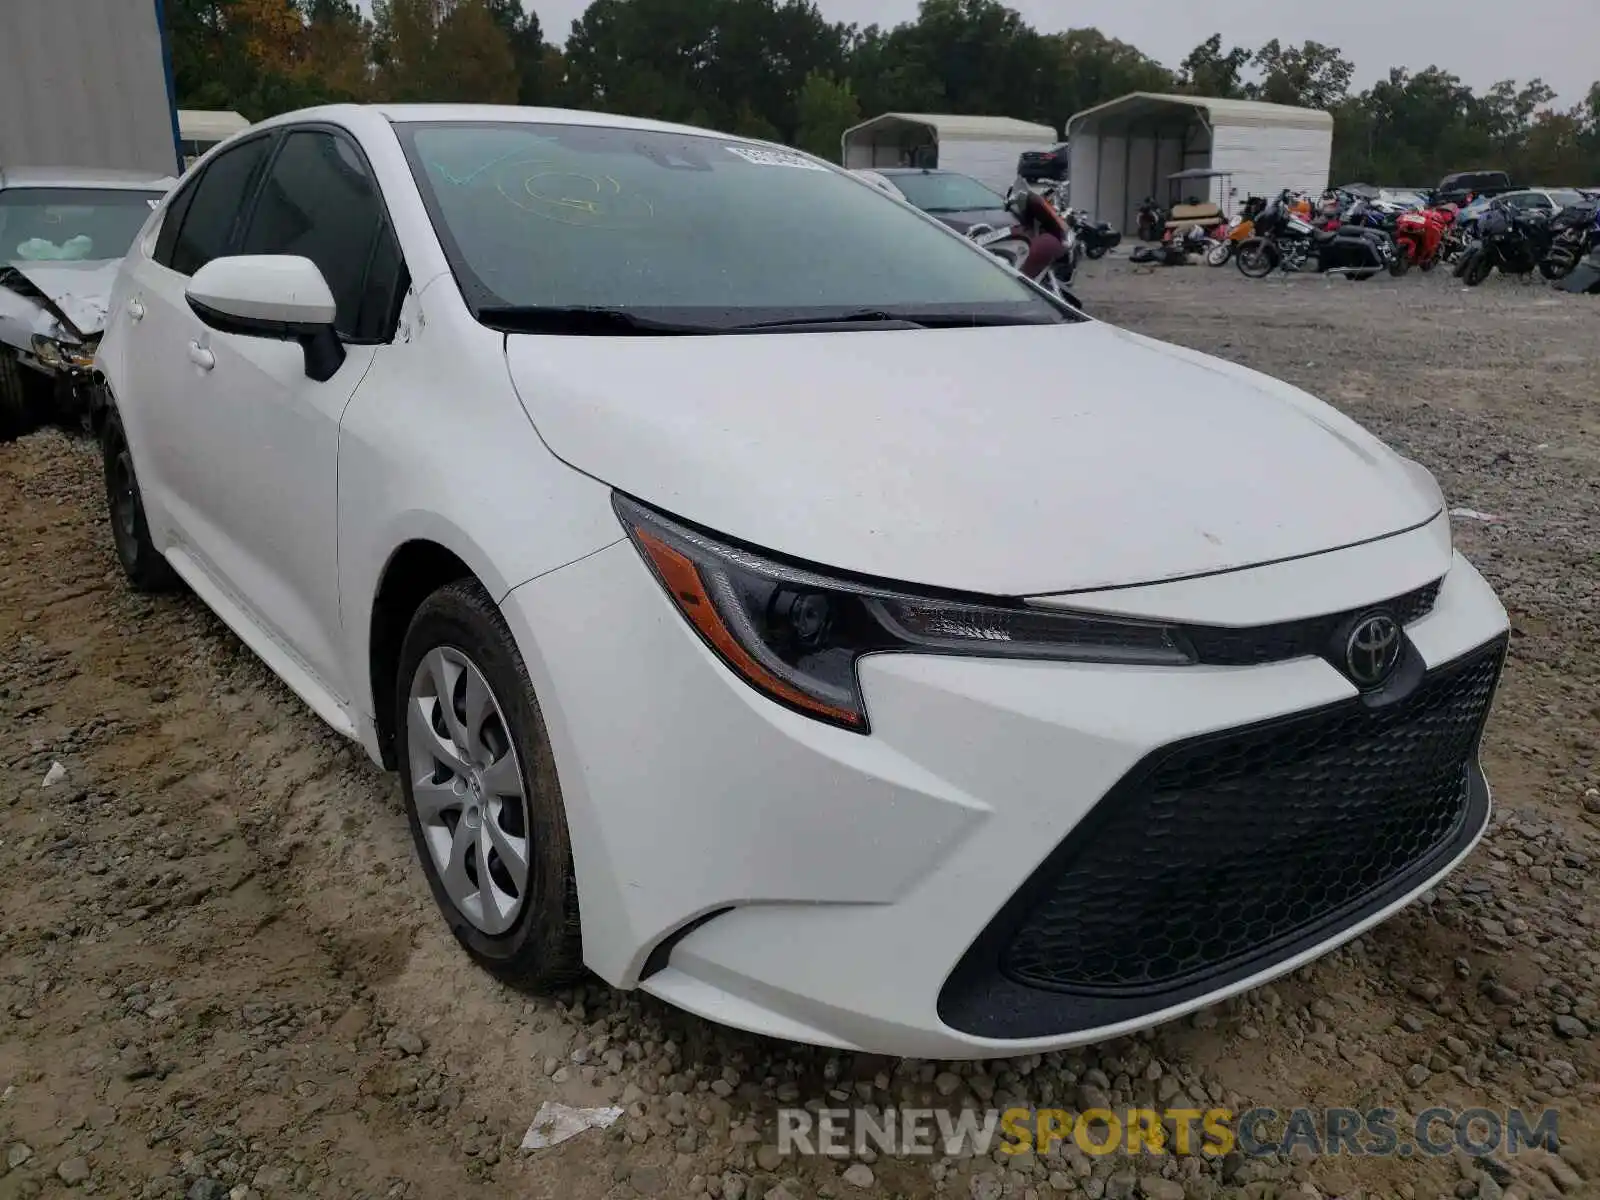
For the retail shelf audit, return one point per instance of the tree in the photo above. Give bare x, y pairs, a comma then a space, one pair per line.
443, 50
1207, 71
728, 63
1313, 76
526, 38
337, 49
1086, 68
826, 108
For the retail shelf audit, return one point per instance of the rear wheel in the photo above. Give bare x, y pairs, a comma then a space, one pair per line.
1402, 262
1557, 267
482, 796
147, 570
1477, 269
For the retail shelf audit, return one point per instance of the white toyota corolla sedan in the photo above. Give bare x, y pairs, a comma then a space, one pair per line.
674, 513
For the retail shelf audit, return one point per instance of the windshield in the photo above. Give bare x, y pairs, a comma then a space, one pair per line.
70, 224
682, 228
945, 191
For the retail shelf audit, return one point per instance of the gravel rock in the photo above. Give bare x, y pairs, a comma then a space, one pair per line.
858, 1175
73, 1171
1570, 1027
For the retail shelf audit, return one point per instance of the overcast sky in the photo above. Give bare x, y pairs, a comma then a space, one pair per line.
1480, 41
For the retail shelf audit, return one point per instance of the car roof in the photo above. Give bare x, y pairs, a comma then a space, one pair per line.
84, 177
486, 113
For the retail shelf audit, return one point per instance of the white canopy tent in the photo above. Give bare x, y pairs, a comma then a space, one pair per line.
987, 148
1127, 149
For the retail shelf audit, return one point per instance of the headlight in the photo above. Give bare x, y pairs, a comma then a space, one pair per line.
796, 634
62, 356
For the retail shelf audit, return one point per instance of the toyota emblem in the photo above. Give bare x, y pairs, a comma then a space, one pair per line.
1373, 650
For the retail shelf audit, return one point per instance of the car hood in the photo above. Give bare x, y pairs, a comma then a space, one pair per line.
966, 218
934, 457
77, 294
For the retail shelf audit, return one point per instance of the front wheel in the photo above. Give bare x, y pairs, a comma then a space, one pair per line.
1256, 258
1476, 269
481, 792
1219, 254
20, 399
1401, 264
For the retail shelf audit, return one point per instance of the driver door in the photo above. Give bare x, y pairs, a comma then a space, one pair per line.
269, 489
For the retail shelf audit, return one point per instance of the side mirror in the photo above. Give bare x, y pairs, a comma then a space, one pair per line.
279, 296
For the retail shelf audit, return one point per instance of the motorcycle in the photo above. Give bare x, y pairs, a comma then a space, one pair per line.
1419, 236
1514, 242
1011, 244
1575, 234
1152, 220
1283, 239
1096, 237
1239, 230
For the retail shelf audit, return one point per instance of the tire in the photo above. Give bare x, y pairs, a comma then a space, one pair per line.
534, 942
1095, 252
1256, 258
1428, 264
19, 400
1554, 269
1402, 263
145, 567
1476, 269
1219, 254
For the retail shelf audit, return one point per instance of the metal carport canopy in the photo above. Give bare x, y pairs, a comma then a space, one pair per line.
1002, 128
1137, 105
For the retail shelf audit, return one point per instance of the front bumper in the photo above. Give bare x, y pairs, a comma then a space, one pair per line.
884, 892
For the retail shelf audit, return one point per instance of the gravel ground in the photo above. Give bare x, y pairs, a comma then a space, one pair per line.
221, 974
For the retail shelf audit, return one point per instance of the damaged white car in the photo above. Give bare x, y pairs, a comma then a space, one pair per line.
63, 232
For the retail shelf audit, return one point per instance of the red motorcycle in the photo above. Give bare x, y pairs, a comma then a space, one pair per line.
1419, 236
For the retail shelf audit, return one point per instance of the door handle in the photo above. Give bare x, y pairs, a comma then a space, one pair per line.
135, 310
201, 357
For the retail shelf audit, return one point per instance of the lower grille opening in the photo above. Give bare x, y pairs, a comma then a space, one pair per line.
1216, 857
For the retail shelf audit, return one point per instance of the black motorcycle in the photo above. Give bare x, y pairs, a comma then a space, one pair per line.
1096, 237
1514, 242
1574, 236
1356, 249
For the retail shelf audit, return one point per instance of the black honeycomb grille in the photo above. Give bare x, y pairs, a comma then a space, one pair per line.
1297, 639
1226, 849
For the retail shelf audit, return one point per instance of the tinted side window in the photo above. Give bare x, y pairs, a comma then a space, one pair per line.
214, 210
319, 201
385, 287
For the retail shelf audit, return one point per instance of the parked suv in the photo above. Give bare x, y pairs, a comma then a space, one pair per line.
1468, 185
1036, 166
743, 623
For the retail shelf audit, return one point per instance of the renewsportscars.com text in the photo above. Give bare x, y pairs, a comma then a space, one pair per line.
1213, 1132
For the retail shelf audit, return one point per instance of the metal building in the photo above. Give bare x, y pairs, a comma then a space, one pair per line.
987, 148
86, 83
1127, 149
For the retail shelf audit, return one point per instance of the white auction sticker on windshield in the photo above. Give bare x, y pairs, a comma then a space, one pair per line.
773, 158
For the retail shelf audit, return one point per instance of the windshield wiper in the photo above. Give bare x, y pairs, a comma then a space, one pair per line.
580, 320
864, 316
881, 317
